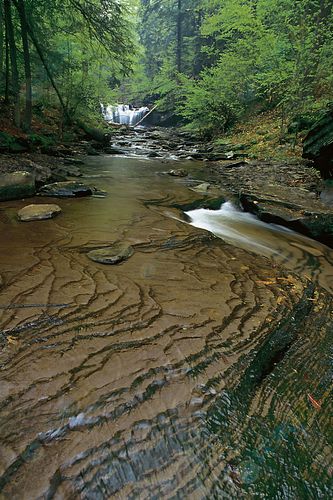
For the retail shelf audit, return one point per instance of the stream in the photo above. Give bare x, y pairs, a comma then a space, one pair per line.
201, 367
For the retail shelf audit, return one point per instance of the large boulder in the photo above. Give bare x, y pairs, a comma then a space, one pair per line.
17, 185
67, 189
38, 212
318, 145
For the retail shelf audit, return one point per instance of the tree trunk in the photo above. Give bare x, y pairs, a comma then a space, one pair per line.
2, 36
19, 4
13, 60
7, 68
179, 36
44, 62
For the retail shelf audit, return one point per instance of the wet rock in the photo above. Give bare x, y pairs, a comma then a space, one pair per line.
154, 154
202, 188
111, 255
112, 150
92, 151
16, 185
326, 195
38, 212
178, 173
241, 163
73, 161
311, 220
67, 189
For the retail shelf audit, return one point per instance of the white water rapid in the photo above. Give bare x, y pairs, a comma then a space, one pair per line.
123, 114
248, 232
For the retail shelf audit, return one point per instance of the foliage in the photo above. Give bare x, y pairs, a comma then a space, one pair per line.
237, 56
76, 48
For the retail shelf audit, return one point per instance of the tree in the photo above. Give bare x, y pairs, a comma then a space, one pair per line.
40, 35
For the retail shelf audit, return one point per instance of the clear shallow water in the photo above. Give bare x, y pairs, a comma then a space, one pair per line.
185, 372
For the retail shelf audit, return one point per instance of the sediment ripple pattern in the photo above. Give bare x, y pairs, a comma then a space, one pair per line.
182, 373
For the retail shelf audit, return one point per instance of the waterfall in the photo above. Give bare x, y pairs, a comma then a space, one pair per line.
123, 113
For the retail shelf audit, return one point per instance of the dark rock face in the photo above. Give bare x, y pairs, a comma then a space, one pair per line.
67, 189
16, 185
111, 255
318, 145
316, 223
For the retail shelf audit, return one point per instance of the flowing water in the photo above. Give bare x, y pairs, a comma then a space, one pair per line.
123, 114
199, 368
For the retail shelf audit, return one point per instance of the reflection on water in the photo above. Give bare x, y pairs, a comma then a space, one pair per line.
184, 372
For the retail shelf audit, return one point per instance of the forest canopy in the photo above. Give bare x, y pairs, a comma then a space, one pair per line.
209, 62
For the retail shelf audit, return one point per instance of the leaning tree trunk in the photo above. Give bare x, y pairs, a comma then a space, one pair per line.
19, 4
40, 53
13, 60
2, 39
7, 69
179, 36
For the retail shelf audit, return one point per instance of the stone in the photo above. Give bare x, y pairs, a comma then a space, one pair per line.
202, 188
178, 173
73, 161
38, 212
66, 189
240, 163
17, 185
154, 154
111, 255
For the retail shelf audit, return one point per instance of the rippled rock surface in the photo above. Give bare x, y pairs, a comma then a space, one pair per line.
195, 370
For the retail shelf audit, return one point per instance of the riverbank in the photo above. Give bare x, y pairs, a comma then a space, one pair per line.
288, 191
193, 368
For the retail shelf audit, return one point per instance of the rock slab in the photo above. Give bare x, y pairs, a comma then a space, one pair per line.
111, 255
66, 189
16, 185
38, 212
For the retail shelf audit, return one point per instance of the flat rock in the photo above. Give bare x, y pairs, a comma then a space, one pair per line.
17, 185
66, 189
111, 255
38, 212
312, 219
178, 173
202, 188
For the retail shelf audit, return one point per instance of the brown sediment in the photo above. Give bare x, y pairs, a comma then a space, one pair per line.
154, 377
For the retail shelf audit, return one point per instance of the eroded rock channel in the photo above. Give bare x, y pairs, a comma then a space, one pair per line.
197, 368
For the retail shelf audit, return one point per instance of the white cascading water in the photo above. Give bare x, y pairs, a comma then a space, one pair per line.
247, 231
123, 114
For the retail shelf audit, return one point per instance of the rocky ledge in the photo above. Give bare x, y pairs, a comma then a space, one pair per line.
292, 195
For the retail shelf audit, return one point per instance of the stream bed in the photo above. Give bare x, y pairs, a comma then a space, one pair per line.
201, 367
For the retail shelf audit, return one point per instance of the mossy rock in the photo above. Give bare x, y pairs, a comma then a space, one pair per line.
17, 185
